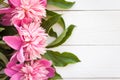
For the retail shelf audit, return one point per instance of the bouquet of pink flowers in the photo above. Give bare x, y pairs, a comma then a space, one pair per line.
24, 28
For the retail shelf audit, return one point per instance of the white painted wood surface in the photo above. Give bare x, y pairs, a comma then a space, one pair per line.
95, 40
93, 5
94, 27
97, 61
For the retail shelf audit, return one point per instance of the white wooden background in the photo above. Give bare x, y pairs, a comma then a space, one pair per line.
95, 40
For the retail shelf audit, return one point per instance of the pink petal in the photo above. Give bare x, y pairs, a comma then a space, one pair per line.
25, 2
14, 3
9, 72
6, 19
5, 10
26, 21
17, 23
44, 3
13, 41
34, 1
45, 63
17, 67
20, 56
14, 58
51, 72
17, 76
13, 61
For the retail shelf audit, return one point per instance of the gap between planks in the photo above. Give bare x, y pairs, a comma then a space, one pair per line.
85, 10
90, 45
94, 78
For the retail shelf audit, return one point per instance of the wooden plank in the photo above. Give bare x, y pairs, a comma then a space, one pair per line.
101, 62
91, 79
93, 5
93, 27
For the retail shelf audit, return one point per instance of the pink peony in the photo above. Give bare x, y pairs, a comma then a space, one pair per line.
30, 44
34, 38
36, 70
32, 10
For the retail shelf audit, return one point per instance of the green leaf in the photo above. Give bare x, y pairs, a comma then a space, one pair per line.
61, 3
3, 77
3, 4
1, 1
3, 58
62, 38
60, 21
59, 59
56, 77
51, 13
1, 29
3, 61
52, 33
3, 45
47, 25
5, 49
2, 65
9, 30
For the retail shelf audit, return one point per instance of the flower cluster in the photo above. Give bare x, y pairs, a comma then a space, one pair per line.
27, 62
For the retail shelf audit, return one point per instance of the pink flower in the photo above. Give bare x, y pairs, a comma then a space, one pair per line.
30, 44
33, 10
36, 70
34, 38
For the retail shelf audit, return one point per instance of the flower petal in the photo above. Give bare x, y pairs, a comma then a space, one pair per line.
17, 76
6, 19
25, 2
13, 61
45, 62
13, 41
51, 72
20, 56
14, 3
17, 67
44, 3
9, 72
5, 10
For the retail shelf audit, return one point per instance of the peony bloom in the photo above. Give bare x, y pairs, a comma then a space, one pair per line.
32, 10
34, 38
30, 44
37, 70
